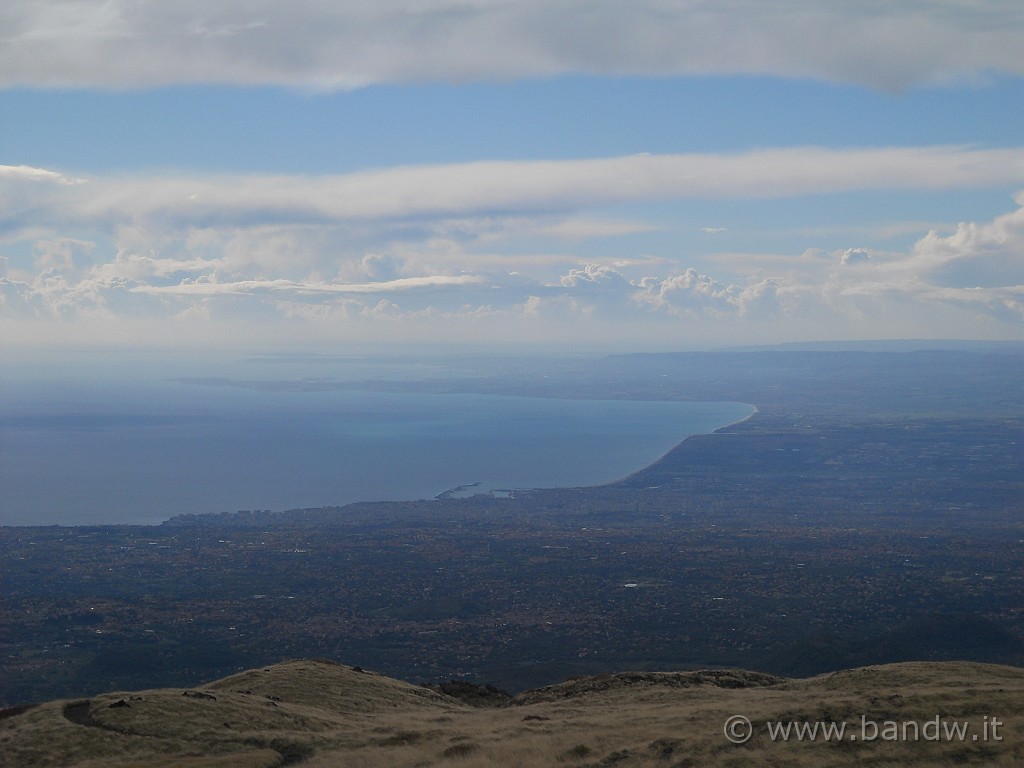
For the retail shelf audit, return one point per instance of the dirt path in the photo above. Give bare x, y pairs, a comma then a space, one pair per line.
78, 713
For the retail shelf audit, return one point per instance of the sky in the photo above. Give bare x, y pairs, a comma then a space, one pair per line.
650, 174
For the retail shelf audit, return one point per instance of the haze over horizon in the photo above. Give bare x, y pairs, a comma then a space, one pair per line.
631, 175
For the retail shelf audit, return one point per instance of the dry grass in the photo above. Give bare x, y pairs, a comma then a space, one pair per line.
324, 715
260, 758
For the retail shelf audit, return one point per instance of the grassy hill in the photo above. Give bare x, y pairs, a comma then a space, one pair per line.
319, 714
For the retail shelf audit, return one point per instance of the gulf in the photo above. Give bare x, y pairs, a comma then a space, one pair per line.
97, 452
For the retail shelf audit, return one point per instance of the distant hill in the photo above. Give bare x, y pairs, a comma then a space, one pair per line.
320, 713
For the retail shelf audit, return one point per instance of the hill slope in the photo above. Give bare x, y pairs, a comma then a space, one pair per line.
322, 714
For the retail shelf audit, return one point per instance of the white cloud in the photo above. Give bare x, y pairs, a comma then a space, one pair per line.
855, 256
811, 261
585, 228
489, 187
976, 255
59, 253
593, 277
309, 288
688, 294
116, 248
28, 173
316, 44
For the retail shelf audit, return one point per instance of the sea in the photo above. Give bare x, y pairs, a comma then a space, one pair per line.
104, 439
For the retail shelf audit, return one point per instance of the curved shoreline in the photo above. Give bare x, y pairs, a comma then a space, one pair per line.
674, 448
619, 442
510, 492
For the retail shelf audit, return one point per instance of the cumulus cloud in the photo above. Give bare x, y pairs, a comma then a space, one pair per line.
687, 293
312, 44
593, 277
855, 256
328, 251
977, 270
976, 255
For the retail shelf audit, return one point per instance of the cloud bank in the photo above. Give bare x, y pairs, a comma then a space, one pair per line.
343, 45
467, 251
31, 195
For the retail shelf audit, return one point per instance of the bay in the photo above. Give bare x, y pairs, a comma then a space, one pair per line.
138, 451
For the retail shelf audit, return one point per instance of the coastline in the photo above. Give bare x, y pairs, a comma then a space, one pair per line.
549, 455
510, 492
676, 447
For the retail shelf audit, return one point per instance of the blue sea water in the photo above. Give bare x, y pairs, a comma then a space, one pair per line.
100, 448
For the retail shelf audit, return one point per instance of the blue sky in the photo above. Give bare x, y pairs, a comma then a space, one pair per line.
629, 175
